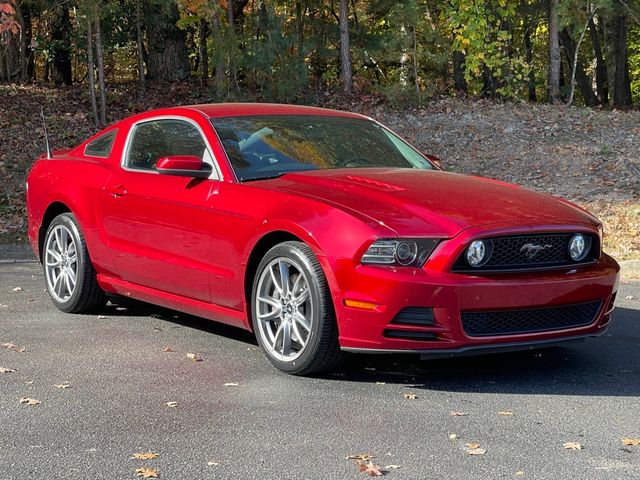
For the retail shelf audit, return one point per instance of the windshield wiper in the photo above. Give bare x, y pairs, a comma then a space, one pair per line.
267, 177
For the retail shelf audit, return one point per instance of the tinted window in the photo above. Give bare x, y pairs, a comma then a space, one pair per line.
101, 146
268, 146
156, 139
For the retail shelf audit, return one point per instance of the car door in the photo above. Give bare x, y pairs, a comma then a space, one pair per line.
159, 225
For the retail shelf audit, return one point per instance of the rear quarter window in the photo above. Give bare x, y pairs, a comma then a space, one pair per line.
101, 146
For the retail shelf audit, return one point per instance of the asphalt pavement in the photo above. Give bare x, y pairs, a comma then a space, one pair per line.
238, 418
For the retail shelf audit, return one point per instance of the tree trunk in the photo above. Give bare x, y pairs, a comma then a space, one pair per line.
203, 53
601, 68
221, 84
458, 72
100, 58
61, 40
233, 75
345, 48
583, 81
140, 49
167, 52
90, 74
621, 85
554, 53
528, 54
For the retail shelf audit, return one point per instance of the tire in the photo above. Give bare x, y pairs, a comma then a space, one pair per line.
65, 258
295, 326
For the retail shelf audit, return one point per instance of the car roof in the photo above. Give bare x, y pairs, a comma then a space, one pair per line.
217, 110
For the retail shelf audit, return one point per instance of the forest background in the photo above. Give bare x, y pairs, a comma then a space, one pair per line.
542, 93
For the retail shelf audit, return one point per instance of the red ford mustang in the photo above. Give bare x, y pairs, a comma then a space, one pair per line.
321, 231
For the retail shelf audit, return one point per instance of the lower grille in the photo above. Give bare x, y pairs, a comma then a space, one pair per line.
509, 322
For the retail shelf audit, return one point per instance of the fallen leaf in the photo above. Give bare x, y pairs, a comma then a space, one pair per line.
146, 472
6, 370
62, 385
172, 404
30, 401
363, 457
194, 357
231, 384
144, 456
21, 350
458, 414
410, 396
8, 345
506, 414
475, 450
17, 289
370, 468
632, 442
572, 446
168, 349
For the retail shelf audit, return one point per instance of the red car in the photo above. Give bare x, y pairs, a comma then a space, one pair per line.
321, 231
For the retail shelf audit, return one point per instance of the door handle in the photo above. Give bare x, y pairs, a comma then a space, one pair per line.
117, 190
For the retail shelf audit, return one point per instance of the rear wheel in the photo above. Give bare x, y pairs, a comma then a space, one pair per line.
70, 276
292, 311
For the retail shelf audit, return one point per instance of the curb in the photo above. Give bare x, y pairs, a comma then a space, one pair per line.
16, 253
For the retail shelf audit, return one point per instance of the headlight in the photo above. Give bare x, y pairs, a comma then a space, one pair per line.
479, 252
403, 252
579, 246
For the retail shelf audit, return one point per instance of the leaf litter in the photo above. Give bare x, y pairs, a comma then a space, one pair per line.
144, 456
146, 472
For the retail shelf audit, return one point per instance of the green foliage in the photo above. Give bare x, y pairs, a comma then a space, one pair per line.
483, 31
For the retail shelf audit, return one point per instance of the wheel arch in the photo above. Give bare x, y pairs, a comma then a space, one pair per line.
265, 243
52, 211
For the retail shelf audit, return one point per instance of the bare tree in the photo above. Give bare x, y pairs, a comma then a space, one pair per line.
91, 73
100, 58
345, 48
140, 48
554, 52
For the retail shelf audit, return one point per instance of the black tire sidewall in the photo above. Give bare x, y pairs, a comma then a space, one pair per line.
316, 283
68, 220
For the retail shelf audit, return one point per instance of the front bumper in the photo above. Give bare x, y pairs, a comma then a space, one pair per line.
387, 291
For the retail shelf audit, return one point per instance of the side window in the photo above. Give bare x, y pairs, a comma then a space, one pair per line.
101, 146
150, 141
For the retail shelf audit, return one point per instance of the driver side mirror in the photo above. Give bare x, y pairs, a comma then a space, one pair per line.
183, 166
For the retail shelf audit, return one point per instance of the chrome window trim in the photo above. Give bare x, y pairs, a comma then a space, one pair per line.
216, 174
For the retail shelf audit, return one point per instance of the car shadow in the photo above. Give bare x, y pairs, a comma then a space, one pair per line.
605, 366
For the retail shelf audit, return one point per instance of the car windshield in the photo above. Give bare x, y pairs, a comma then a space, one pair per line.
268, 146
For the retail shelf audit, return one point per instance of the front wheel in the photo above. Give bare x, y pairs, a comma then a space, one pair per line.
70, 276
292, 311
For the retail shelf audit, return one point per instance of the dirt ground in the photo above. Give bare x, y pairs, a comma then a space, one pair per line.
588, 156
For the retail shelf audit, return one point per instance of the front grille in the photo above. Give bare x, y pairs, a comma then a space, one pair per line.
509, 253
509, 322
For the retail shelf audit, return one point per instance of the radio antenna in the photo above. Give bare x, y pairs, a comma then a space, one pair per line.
46, 135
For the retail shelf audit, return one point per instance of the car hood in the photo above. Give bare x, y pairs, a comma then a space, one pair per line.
423, 202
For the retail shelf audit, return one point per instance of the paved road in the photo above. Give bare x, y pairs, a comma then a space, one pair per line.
274, 426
